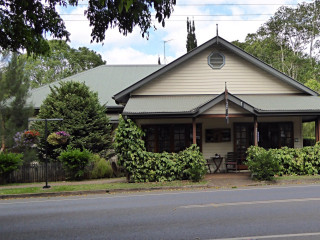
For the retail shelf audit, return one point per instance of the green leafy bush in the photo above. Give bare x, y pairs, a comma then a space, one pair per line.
262, 164
75, 162
194, 164
101, 167
304, 161
143, 166
9, 162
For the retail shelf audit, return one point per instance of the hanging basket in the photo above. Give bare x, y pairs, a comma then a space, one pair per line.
62, 140
58, 138
31, 136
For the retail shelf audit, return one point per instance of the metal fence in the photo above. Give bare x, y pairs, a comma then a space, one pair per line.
37, 172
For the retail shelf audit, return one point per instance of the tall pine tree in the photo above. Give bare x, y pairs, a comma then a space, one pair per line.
191, 37
14, 111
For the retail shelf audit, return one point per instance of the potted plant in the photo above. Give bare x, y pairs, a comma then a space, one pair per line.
58, 138
31, 136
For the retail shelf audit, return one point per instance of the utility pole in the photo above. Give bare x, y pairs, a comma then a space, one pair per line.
46, 142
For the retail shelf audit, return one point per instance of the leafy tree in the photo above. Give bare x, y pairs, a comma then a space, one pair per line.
313, 84
266, 48
14, 112
84, 118
191, 37
63, 61
25, 23
289, 41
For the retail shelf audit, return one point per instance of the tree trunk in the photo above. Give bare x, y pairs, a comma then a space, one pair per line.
3, 143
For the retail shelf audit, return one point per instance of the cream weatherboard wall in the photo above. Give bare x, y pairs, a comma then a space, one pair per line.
195, 76
220, 108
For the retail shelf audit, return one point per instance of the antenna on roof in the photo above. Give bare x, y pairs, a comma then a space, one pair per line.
164, 50
217, 30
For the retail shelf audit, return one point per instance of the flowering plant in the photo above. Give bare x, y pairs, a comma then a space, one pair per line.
63, 134
31, 134
28, 138
58, 138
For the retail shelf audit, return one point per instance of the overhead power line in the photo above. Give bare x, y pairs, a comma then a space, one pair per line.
237, 4
196, 15
200, 20
225, 4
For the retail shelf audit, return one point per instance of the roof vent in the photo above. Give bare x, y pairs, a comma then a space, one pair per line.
216, 60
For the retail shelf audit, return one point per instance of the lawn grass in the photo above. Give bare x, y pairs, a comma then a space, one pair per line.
103, 186
297, 177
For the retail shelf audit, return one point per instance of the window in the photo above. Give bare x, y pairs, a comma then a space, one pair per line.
151, 138
216, 60
170, 137
218, 135
276, 135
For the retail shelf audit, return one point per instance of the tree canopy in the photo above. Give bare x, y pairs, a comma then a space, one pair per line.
63, 61
289, 41
14, 111
24, 24
84, 118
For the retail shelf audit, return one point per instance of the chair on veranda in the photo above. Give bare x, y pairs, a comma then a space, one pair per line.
231, 161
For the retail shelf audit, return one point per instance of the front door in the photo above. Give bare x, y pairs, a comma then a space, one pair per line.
243, 138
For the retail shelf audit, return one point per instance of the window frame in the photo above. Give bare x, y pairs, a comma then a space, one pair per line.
213, 66
156, 145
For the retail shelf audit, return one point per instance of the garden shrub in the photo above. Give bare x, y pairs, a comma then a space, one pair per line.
143, 166
9, 162
261, 163
75, 161
194, 164
287, 158
101, 167
304, 161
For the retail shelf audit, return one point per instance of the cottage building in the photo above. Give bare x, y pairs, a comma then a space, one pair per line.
217, 96
221, 98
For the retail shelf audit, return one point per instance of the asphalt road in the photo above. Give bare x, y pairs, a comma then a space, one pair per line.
291, 212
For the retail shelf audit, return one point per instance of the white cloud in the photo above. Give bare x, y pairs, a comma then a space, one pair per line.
133, 49
129, 55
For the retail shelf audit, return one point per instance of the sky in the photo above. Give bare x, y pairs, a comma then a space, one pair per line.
235, 19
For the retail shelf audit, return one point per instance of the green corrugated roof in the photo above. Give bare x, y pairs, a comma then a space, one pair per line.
282, 102
194, 104
106, 80
165, 104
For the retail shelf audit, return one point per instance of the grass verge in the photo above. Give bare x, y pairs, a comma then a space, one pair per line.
298, 178
104, 186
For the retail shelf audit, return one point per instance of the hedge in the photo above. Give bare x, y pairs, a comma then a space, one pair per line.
292, 161
143, 166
